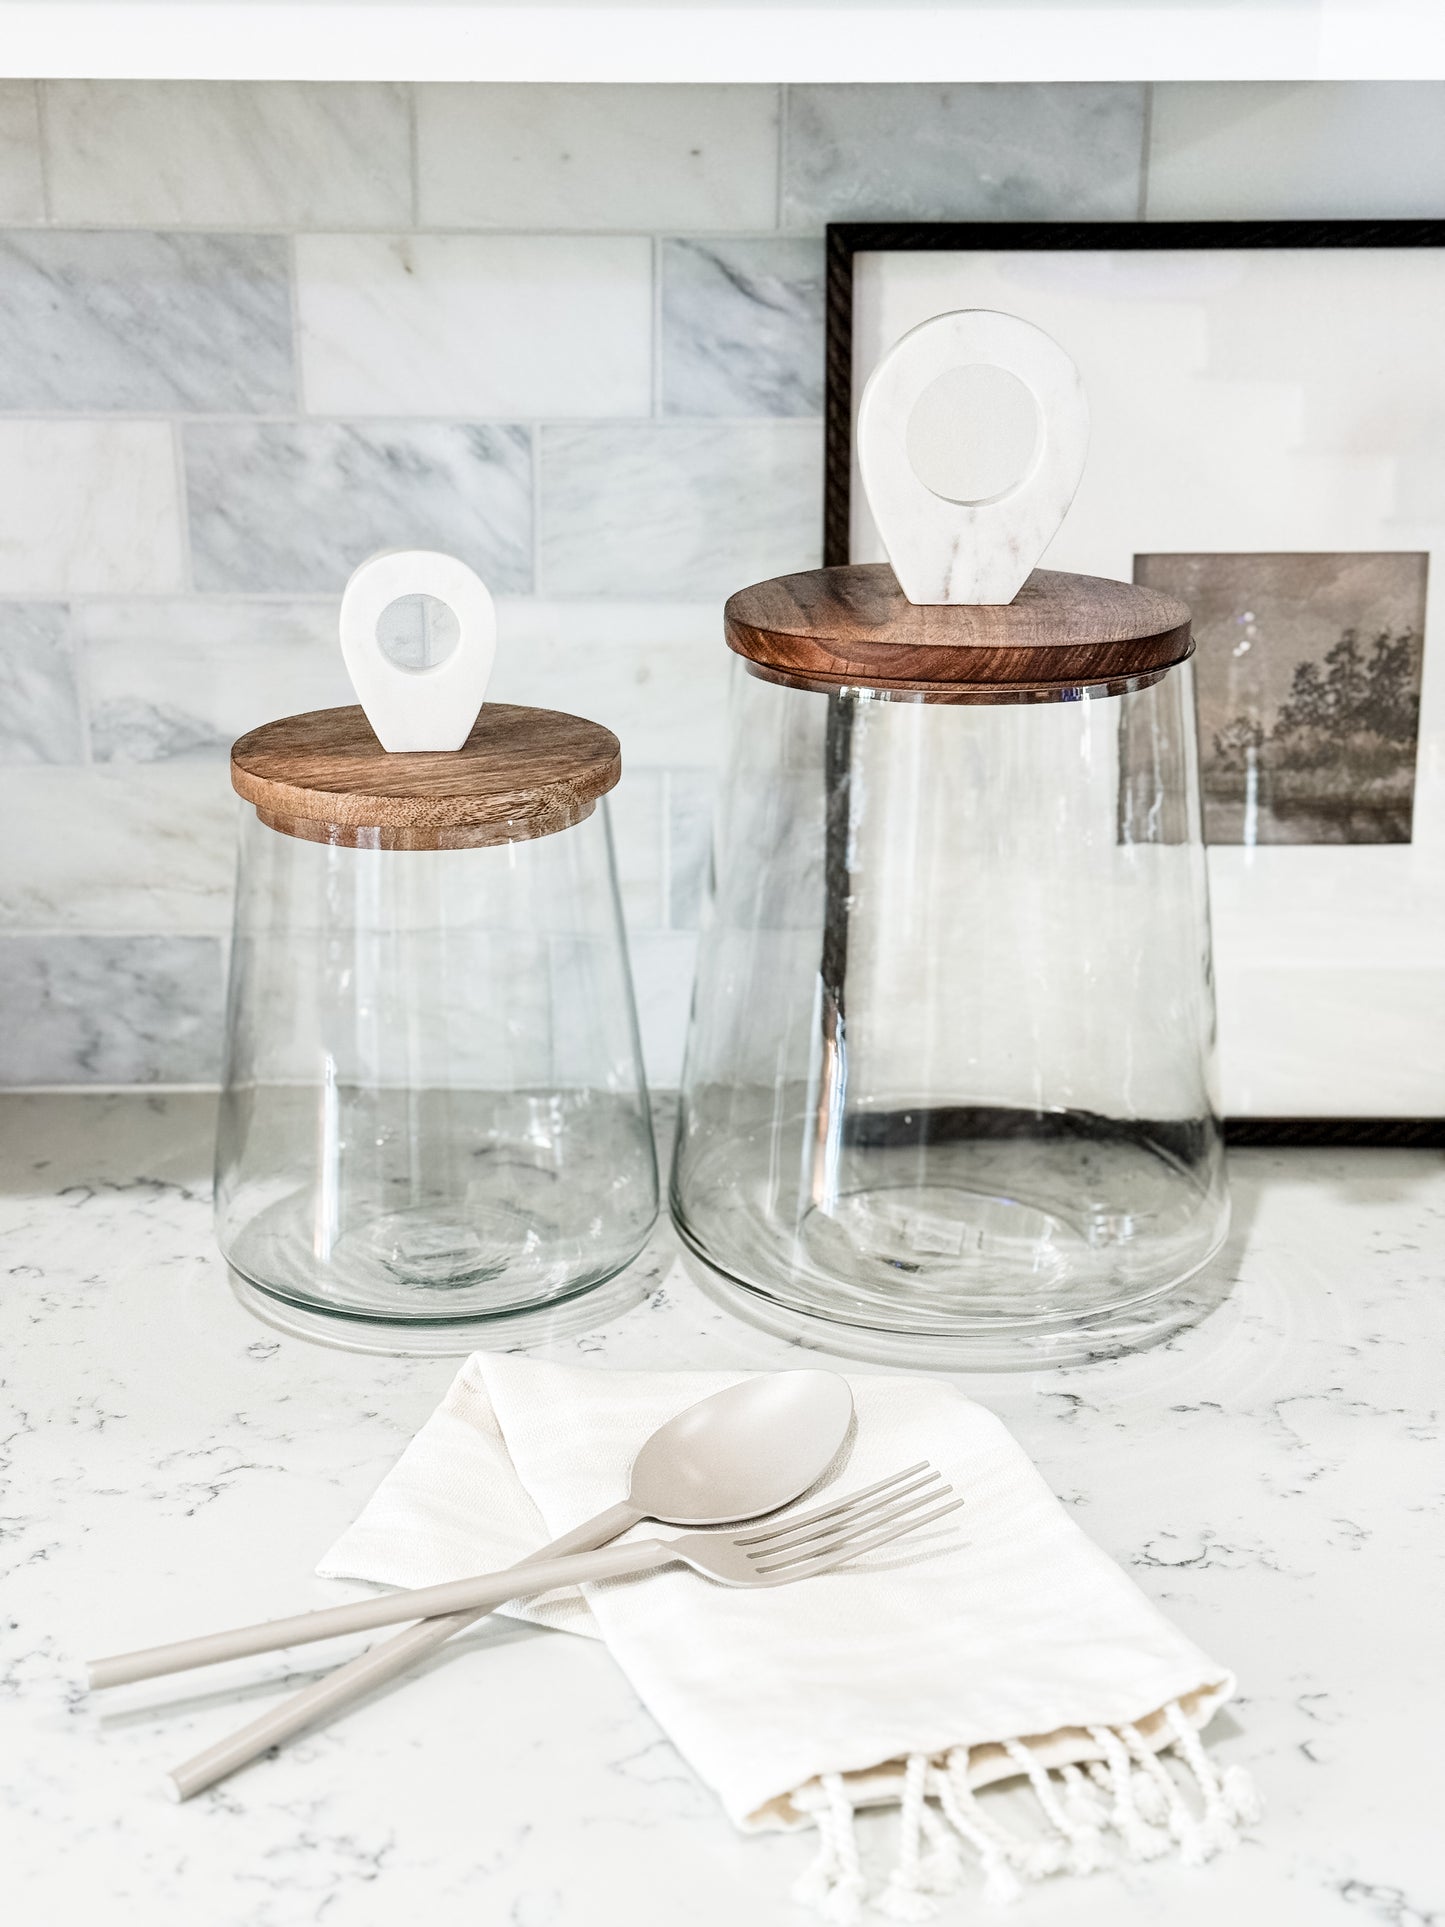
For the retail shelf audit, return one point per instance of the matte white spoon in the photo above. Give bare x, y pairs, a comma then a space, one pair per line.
737, 1455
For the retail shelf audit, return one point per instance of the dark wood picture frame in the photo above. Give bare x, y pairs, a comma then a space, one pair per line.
848, 239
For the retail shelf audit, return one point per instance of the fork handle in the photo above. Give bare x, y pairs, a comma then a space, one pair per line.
475, 1595
472, 1596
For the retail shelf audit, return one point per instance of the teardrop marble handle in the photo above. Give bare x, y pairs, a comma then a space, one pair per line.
411, 709
982, 551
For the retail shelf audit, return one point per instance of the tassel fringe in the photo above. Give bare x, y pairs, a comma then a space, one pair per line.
1127, 1791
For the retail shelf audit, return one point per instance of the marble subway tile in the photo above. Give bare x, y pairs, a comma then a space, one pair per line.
39, 691
1014, 151
282, 507
690, 797
88, 507
22, 191
663, 962
159, 153
141, 849
110, 1010
654, 672
543, 156
145, 322
1260, 149
742, 327
678, 509
171, 678
635, 810
500, 326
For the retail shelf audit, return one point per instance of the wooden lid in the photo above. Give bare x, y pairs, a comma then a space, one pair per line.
521, 773
853, 627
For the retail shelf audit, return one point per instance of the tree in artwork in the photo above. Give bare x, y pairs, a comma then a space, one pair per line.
1308, 670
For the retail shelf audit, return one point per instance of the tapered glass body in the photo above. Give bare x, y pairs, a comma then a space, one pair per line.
434, 1104
950, 1069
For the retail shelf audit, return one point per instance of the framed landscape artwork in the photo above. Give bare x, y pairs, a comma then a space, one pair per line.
1267, 405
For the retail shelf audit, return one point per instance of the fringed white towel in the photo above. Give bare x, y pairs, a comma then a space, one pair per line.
1000, 1643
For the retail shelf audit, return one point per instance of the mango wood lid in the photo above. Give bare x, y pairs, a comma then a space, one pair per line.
521, 773
853, 627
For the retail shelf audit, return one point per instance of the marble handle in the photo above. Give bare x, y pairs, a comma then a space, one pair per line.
431, 708
982, 550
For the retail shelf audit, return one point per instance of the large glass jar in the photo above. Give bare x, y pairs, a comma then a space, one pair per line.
950, 1074
434, 1109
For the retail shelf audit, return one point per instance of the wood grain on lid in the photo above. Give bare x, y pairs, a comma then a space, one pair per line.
853, 627
521, 773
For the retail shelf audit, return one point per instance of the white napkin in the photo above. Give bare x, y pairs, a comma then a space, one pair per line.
1000, 1642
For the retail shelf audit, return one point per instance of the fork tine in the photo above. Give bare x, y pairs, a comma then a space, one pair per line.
827, 1511
826, 1562
850, 1516
847, 1531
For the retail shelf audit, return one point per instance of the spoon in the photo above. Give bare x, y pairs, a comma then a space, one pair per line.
743, 1452
736, 1455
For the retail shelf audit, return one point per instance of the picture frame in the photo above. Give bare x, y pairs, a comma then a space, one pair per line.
1322, 710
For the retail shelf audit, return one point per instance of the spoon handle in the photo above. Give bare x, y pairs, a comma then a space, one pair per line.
371, 1668
478, 1594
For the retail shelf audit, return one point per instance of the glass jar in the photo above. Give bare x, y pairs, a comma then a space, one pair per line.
950, 1072
434, 1109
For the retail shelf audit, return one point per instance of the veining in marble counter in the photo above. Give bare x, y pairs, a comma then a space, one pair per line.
1272, 1478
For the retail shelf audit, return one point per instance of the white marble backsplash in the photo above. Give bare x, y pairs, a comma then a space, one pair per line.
214, 154
40, 706
499, 326
105, 1009
249, 333
636, 158
1004, 153
294, 506
145, 323
184, 676
693, 509
742, 327
89, 508
22, 187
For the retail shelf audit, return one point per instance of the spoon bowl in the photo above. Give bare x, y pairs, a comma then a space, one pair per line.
744, 1451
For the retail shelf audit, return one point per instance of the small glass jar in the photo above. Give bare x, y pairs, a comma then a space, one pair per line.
950, 1072
434, 1110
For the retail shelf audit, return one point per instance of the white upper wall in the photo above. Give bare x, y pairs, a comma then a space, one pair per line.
737, 40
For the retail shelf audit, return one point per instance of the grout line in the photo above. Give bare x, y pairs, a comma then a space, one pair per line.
391, 230
87, 598
93, 417
1147, 141
42, 147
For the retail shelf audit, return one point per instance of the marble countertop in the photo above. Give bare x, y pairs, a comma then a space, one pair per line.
1273, 1478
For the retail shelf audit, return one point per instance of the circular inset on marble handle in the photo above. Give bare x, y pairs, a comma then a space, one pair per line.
974, 434
431, 706
947, 543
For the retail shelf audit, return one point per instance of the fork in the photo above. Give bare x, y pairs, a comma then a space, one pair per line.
800, 1547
